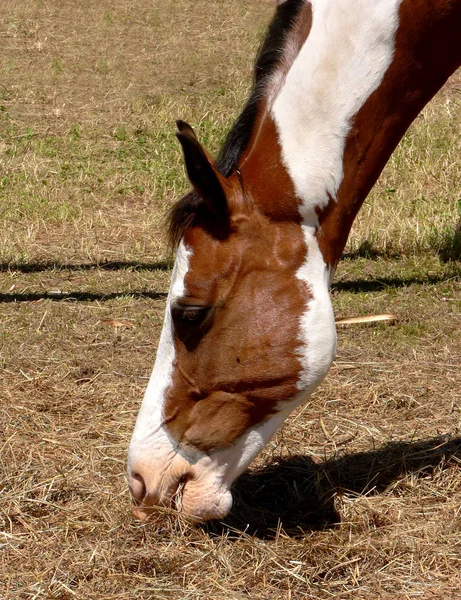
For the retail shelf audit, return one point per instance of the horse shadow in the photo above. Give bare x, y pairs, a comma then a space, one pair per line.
297, 494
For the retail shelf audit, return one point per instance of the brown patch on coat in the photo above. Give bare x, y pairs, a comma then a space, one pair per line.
265, 177
427, 52
246, 362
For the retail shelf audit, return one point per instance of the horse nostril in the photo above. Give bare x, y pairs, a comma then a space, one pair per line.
137, 487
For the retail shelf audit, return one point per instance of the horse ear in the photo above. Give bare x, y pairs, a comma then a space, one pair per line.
202, 172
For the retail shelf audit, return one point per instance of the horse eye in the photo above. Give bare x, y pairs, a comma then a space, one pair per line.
189, 315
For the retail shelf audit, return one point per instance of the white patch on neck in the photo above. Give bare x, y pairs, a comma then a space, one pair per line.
318, 329
343, 60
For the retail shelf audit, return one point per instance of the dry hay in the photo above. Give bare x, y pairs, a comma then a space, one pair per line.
358, 495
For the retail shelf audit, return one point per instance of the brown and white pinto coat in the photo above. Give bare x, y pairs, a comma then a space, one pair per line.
249, 329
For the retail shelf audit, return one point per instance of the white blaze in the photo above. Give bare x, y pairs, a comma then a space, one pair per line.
149, 436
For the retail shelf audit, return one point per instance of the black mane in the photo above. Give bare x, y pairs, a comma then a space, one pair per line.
267, 60
187, 210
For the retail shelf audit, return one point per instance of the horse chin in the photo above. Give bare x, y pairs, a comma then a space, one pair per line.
199, 504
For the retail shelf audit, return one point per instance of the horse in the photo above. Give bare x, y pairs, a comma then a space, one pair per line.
249, 330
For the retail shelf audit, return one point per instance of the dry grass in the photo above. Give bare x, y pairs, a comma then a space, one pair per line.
359, 495
89, 97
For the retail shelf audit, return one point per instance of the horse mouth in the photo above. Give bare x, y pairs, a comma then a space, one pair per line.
192, 502
145, 504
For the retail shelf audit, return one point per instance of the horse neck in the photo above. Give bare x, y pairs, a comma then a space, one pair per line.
363, 74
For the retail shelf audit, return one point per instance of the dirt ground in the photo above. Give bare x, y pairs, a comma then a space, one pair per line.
359, 495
